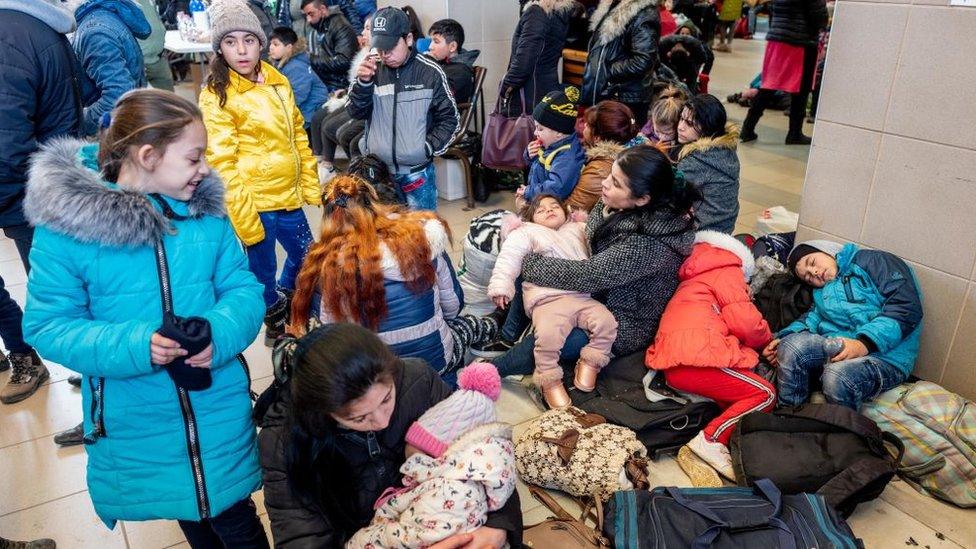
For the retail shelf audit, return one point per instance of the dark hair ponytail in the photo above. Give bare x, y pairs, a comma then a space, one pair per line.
334, 365
651, 174
219, 78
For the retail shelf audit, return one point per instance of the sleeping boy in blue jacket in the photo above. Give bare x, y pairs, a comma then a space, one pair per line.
557, 156
861, 335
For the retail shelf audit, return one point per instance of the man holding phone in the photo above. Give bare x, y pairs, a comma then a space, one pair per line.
408, 107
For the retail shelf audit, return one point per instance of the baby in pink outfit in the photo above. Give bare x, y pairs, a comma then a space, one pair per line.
549, 231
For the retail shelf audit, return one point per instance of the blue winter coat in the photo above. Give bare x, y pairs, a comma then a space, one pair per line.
40, 92
563, 173
875, 296
93, 302
105, 42
310, 92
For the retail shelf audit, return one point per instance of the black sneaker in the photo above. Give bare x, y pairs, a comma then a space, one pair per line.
71, 437
493, 349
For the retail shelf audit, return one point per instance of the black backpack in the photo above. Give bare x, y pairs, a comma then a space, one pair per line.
725, 518
662, 426
825, 449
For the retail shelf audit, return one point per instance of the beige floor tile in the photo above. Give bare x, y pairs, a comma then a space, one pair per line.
70, 521
768, 196
959, 525
12, 271
881, 525
153, 534
53, 408
53, 472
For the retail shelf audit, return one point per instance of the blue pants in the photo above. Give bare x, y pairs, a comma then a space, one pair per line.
11, 316
237, 527
520, 359
291, 229
848, 382
516, 321
419, 188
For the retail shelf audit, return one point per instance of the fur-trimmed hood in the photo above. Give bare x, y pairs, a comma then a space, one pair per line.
617, 21
703, 259
551, 6
604, 149
437, 239
66, 194
728, 140
53, 13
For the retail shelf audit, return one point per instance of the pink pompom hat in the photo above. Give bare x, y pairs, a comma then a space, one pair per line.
473, 404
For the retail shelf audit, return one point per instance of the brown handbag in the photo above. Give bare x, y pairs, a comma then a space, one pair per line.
563, 530
505, 138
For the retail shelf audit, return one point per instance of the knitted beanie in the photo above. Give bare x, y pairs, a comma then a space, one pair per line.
804, 249
227, 16
558, 109
470, 406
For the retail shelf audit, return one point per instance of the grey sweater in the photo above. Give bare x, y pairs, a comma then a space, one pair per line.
713, 165
633, 270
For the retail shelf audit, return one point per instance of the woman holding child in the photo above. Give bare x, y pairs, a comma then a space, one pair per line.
336, 439
639, 234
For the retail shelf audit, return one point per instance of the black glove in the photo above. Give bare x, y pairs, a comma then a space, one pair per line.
193, 334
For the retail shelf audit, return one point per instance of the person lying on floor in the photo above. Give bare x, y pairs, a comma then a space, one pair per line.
861, 336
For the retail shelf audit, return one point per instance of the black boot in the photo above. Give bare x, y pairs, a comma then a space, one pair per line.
275, 320
35, 544
74, 380
798, 107
748, 132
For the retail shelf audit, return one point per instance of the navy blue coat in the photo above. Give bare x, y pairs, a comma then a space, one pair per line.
39, 92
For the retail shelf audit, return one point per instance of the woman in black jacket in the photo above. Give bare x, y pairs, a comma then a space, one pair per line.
334, 440
790, 63
537, 47
623, 56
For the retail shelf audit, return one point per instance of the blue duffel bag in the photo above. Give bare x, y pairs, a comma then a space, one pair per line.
724, 518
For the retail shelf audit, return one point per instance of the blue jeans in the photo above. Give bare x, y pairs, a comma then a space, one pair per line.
419, 188
11, 316
237, 527
291, 229
516, 321
848, 382
520, 359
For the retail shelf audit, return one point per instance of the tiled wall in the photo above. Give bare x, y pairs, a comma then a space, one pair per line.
488, 26
893, 163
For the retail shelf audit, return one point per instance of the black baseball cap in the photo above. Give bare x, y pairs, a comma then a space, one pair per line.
387, 26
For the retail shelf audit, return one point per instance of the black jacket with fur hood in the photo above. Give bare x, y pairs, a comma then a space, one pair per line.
623, 54
537, 47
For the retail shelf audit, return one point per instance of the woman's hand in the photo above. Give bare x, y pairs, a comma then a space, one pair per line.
482, 538
163, 350
769, 353
501, 301
853, 348
203, 359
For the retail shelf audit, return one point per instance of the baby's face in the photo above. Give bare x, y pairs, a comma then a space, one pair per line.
549, 214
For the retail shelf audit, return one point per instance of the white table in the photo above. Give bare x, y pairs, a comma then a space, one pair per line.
200, 50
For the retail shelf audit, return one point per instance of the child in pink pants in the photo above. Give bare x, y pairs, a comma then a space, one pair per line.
549, 231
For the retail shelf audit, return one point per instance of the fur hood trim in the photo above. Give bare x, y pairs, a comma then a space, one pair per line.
605, 149
66, 196
437, 239
551, 6
616, 23
732, 244
728, 140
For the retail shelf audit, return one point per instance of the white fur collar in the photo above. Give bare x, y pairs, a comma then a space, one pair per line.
732, 244
550, 6
616, 23
436, 238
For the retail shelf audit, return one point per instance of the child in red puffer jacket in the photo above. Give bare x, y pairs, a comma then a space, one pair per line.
706, 344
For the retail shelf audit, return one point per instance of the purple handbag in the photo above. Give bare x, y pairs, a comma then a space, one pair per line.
505, 138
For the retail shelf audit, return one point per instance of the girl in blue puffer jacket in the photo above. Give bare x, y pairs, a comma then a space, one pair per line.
167, 423
862, 334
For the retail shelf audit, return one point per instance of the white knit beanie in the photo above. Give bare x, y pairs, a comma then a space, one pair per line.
227, 16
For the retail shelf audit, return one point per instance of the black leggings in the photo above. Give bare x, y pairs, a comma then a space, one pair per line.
237, 527
335, 129
798, 103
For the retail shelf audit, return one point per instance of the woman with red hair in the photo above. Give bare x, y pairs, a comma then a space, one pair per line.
386, 268
609, 129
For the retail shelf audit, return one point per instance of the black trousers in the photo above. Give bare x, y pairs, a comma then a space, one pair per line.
798, 102
236, 528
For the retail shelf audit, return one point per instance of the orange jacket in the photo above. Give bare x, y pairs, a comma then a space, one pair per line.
711, 322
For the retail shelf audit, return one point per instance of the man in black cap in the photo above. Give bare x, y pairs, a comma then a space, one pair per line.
410, 113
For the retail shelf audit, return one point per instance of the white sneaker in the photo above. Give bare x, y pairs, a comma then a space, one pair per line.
714, 454
326, 173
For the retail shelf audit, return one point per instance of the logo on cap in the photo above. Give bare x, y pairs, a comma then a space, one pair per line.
379, 24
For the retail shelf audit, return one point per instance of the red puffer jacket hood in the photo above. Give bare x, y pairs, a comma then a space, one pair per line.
711, 321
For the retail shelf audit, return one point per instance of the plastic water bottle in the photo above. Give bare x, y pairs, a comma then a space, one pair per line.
200, 19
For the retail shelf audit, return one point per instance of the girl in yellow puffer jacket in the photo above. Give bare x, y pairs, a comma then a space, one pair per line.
258, 145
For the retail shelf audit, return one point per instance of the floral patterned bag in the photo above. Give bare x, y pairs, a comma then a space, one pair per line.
580, 454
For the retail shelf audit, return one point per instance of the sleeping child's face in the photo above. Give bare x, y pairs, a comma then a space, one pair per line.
549, 213
816, 269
